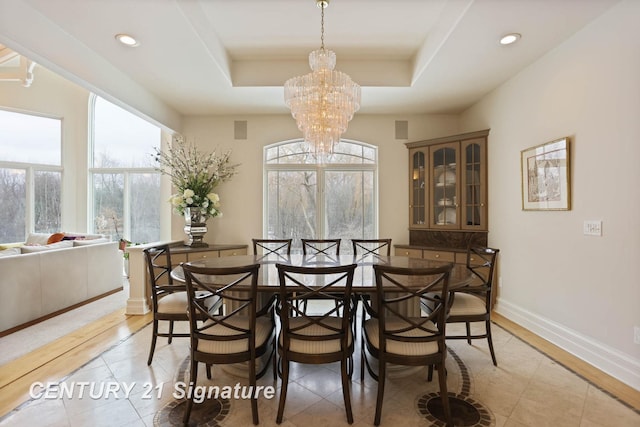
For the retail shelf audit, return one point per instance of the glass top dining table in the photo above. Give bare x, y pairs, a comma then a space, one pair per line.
364, 277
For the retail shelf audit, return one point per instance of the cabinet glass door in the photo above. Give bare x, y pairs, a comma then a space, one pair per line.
418, 210
473, 185
444, 182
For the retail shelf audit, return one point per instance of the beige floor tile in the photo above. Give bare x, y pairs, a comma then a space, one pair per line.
323, 413
540, 414
525, 389
113, 414
40, 413
602, 410
298, 399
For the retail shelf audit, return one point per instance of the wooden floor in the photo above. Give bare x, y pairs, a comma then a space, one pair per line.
61, 357
58, 359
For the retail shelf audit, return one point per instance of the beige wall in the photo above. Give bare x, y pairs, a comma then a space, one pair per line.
581, 292
242, 196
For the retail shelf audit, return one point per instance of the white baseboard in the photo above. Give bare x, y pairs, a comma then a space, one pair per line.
609, 360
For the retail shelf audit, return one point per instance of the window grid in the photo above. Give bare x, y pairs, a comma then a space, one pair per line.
350, 176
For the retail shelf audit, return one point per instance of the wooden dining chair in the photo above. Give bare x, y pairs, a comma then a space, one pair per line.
244, 333
328, 247
473, 303
395, 334
168, 300
364, 247
271, 246
322, 337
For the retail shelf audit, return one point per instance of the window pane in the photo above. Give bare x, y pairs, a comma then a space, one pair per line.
292, 205
108, 198
145, 207
122, 139
290, 153
349, 206
13, 193
345, 183
27, 138
346, 152
296, 152
47, 201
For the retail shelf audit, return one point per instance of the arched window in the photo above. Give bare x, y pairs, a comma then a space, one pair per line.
125, 187
335, 199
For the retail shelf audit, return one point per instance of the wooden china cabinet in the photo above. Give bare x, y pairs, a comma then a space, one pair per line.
447, 196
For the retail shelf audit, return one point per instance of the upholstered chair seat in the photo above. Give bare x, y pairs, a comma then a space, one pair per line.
402, 348
263, 332
304, 345
465, 304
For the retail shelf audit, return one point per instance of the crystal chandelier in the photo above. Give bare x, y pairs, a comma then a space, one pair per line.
323, 101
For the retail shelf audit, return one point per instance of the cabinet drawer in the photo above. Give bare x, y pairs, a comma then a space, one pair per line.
461, 258
412, 253
233, 252
439, 256
176, 259
202, 255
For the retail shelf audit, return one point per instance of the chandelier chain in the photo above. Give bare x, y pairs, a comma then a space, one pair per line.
322, 26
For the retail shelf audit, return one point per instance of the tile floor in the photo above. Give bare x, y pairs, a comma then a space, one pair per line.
526, 389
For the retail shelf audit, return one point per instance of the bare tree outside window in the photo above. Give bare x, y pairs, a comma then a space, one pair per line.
337, 199
125, 184
30, 175
13, 193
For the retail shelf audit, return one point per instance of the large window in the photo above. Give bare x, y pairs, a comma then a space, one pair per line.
30, 175
335, 199
125, 186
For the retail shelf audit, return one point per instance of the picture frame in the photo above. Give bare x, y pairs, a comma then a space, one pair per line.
546, 171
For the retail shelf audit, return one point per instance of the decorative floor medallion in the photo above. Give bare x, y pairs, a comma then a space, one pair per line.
209, 413
465, 411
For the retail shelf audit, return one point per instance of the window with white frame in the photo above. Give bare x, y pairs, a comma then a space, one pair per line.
335, 199
124, 184
30, 175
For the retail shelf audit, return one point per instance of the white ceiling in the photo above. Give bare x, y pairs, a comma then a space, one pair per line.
200, 57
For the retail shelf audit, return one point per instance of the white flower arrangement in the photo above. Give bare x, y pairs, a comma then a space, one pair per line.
195, 175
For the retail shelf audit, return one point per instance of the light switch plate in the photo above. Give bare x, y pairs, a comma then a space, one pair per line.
593, 228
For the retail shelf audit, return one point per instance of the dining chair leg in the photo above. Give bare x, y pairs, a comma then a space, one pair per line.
208, 369
444, 395
283, 390
154, 338
346, 393
430, 373
193, 380
254, 400
490, 341
362, 359
170, 331
275, 360
468, 325
382, 375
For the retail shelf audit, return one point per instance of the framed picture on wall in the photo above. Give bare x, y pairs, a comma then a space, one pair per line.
545, 176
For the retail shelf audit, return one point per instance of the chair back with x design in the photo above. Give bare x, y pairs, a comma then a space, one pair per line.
321, 246
272, 247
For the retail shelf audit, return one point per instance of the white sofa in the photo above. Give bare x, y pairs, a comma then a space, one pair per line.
36, 281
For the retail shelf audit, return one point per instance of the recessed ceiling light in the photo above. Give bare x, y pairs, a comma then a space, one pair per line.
127, 40
510, 38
